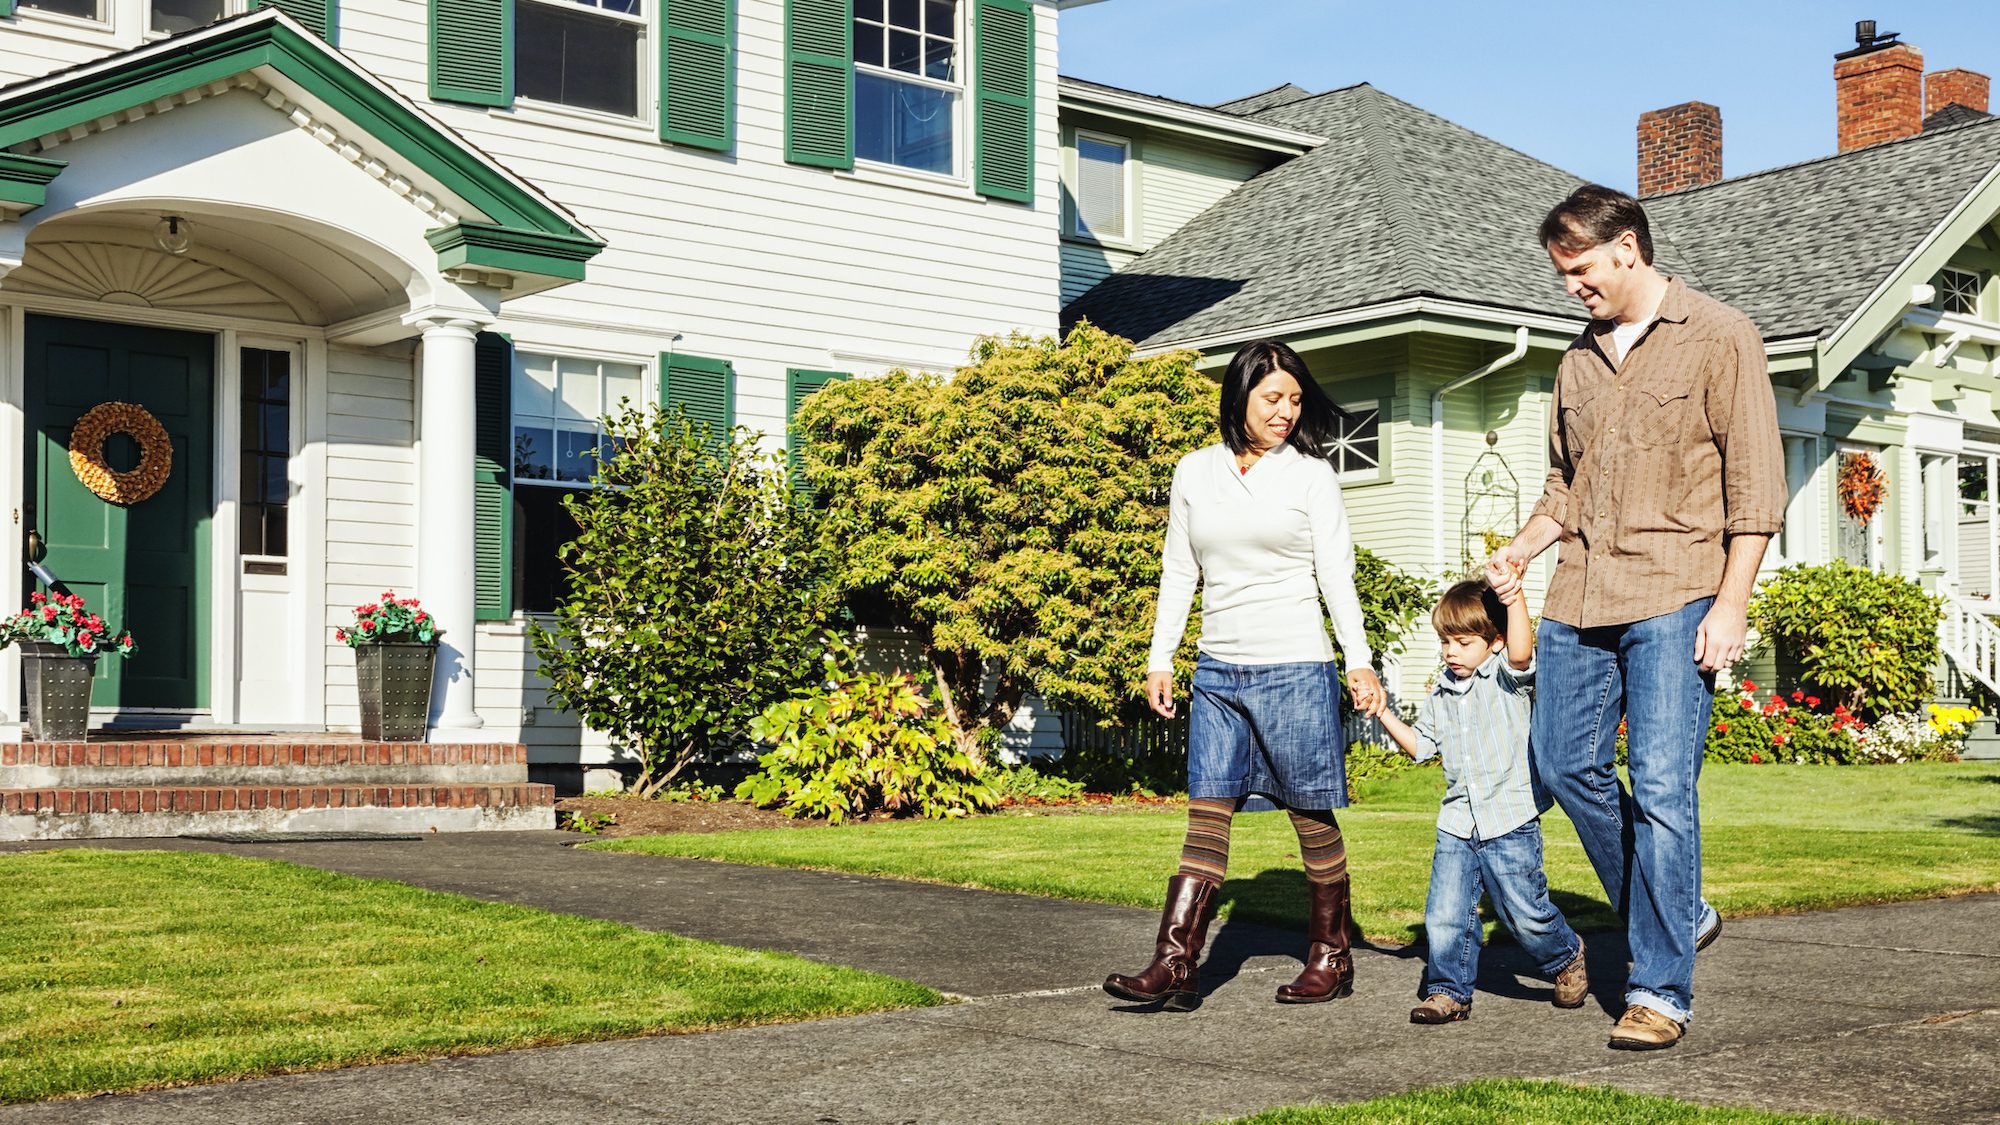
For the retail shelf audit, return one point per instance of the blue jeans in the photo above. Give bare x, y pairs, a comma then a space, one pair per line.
1646, 842
1509, 869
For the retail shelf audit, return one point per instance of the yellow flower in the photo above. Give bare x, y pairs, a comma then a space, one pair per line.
1952, 720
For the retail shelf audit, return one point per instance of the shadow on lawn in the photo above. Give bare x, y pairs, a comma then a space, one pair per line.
1984, 825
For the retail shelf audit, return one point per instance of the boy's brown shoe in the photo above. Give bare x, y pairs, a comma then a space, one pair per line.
1573, 983
1439, 1008
1643, 1029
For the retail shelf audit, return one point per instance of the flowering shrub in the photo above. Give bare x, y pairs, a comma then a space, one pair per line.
395, 619
1864, 639
60, 619
1800, 728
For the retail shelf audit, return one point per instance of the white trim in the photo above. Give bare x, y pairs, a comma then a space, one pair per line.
225, 446
302, 624
309, 511
1404, 306
13, 455
910, 179
1190, 119
1355, 409
78, 309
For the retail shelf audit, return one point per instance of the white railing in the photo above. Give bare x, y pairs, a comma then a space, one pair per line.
1971, 640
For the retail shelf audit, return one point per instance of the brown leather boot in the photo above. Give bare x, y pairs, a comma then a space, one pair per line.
1173, 976
1329, 969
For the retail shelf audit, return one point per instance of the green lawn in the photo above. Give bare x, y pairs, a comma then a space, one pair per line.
128, 970
1511, 1101
1775, 838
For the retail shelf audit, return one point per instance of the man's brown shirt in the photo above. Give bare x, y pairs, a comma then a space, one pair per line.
1654, 460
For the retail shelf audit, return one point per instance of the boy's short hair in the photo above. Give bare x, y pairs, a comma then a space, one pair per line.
1470, 609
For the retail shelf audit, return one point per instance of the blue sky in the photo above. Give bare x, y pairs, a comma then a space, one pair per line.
1564, 82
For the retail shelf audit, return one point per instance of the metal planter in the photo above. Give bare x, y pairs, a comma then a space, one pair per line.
395, 684
56, 687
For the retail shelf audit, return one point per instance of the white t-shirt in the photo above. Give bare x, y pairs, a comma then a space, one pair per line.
1623, 336
1265, 547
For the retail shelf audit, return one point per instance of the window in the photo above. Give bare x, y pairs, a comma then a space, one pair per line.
264, 490
582, 53
908, 84
79, 9
1357, 450
559, 406
1102, 187
165, 17
1958, 291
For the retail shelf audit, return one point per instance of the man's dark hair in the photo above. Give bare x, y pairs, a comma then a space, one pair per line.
1317, 429
1594, 215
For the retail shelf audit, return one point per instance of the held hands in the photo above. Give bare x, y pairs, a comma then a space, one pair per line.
1504, 572
1366, 691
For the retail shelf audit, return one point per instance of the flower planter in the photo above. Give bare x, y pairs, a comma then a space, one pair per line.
56, 688
394, 679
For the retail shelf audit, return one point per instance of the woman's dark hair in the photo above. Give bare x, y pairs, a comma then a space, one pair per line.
1318, 425
1594, 215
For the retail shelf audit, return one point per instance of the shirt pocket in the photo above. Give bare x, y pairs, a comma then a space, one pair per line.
1580, 421
1664, 412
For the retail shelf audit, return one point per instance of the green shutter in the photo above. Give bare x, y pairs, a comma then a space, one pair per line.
472, 51
705, 389
316, 16
1003, 99
799, 385
492, 478
6, 7
698, 73
819, 82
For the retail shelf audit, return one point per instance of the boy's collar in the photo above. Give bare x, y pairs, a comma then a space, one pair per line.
1487, 669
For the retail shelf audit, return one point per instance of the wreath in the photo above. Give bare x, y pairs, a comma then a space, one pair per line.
1862, 486
86, 452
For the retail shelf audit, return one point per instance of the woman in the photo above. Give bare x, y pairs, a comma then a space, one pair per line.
1258, 520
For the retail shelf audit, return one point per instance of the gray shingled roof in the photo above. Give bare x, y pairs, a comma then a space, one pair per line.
1954, 113
1265, 99
1401, 202
1799, 248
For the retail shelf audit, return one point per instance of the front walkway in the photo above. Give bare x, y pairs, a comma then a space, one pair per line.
1888, 1012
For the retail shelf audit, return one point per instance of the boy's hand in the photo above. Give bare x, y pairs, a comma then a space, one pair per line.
1506, 576
1366, 690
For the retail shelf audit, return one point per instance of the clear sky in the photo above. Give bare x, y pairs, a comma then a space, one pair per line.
1564, 82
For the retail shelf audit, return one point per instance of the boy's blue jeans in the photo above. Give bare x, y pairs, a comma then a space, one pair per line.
1645, 843
1509, 869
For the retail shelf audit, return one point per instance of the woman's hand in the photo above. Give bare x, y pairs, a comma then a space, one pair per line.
1160, 693
1366, 691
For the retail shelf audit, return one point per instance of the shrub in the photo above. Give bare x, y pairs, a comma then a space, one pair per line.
1026, 783
1865, 639
696, 595
866, 743
1367, 761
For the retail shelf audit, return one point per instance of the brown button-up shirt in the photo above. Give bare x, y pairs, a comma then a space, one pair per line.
1654, 460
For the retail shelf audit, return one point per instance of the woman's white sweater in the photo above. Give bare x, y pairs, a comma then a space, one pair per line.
1265, 546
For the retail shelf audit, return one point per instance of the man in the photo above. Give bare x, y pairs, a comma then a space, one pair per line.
1665, 484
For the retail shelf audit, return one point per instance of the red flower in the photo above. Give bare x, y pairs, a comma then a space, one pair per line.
86, 640
1754, 759
48, 613
1792, 719
1747, 705
1812, 700
1798, 697
421, 615
1722, 728
125, 638
38, 597
1777, 740
1748, 686
367, 626
340, 635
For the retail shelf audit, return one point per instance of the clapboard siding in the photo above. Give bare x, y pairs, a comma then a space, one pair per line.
1084, 265
1182, 177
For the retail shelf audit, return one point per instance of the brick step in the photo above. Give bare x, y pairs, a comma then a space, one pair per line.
97, 812
183, 764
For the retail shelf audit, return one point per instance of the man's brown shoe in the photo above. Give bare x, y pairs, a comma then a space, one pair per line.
1439, 1008
1573, 983
1643, 1029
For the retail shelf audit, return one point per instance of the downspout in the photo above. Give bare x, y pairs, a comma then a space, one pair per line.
1437, 440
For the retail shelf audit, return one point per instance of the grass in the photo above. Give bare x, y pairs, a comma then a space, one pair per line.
131, 970
1521, 1102
1774, 839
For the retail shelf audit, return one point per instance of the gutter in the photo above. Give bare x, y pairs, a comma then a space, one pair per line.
1437, 439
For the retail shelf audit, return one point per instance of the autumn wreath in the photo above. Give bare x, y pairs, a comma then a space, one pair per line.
1861, 486
86, 452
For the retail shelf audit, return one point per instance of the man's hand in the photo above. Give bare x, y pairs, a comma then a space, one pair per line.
1160, 693
1505, 570
1366, 691
1718, 643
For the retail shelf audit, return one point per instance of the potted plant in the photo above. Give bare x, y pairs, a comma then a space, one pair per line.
395, 650
60, 642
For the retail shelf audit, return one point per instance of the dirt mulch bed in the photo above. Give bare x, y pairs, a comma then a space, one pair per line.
634, 816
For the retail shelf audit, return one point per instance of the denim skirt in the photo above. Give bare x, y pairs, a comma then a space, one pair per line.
1267, 731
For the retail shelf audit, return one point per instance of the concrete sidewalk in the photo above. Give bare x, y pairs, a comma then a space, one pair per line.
1890, 1012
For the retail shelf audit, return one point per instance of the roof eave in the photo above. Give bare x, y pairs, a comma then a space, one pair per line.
1208, 124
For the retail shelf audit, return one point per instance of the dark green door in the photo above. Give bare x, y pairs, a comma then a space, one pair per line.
143, 567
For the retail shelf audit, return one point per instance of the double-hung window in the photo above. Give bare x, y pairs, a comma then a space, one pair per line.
559, 406
909, 84
92, 10
1102, 192
169, 17
581, 53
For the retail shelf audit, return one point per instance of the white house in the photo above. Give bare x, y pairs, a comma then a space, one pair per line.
377, 267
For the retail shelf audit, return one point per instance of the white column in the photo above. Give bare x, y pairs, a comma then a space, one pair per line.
445, 576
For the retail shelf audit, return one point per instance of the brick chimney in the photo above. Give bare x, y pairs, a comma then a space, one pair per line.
1679, 147
1879, 86
1960, 86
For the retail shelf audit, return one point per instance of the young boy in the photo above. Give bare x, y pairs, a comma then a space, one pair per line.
1489, 832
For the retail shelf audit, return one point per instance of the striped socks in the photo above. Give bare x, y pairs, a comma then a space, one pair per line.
1206, 852
1320, 845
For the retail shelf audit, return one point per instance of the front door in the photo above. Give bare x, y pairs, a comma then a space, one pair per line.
143, 566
